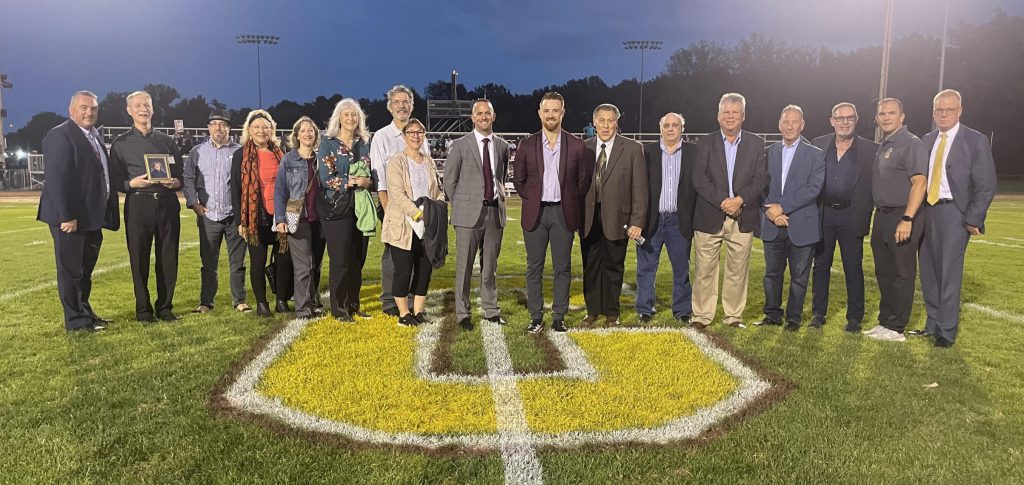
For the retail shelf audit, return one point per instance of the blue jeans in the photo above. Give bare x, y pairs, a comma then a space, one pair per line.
647, 258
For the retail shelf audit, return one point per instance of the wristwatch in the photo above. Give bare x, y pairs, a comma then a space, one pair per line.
907, 218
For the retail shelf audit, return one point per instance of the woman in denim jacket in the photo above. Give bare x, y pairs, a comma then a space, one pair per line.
296, 179
346, 142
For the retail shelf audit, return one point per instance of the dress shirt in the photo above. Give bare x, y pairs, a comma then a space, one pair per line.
127, 154
494, 160
840, 173
944, 192
671, 164
787, 159
215, 165
550, 190
94, 139
387, 142
730, 157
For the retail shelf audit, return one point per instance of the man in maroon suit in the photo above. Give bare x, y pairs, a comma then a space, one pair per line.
551, 173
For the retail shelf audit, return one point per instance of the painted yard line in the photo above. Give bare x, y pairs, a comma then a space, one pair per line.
992, 312
1016, 239
25, 230
992, 243
98, 271
522, 466
35, 243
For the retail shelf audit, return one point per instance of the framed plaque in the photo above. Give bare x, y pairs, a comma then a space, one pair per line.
158, 167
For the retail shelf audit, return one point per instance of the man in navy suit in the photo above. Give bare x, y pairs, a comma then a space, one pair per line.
961, 185
77, 203
790, 221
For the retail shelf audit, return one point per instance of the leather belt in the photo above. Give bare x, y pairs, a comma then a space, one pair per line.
549, 204
491, 203
941, 201
154, 195
837, 205
886, 210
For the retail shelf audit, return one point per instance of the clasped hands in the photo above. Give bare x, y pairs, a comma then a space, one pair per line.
775, 214
732, 206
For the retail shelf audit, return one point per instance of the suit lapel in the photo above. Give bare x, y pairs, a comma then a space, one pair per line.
82, 141
476, 151
614, 156
563, 155
654, 175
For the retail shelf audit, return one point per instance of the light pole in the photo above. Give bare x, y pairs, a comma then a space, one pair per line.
642, 45
4, 84
258, 39
883, 84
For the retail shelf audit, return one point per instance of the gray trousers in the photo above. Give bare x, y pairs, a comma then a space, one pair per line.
211, 234
942, 268
467, 240
550, 229
300, 244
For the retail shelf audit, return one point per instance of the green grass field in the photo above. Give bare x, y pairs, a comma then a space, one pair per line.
132, 404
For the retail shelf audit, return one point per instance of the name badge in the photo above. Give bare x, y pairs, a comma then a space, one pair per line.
887, 154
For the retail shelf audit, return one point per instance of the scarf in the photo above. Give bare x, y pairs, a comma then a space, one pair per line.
252, 206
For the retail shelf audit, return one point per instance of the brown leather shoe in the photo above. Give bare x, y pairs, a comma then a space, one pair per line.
611, 321
589, 320
698, 326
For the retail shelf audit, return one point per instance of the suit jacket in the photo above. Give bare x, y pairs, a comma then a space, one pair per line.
74, 182
623, 190
711, 180
464, 179
575, 169
861, 202
685, 193
799, 201
970, 173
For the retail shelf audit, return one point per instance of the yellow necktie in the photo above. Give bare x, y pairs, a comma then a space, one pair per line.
933, 187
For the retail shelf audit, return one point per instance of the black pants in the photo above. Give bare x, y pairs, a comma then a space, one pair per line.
895, 266
346, 246
76, 255
282, 262
777, 254
410, 264
150, 218
837, 227
603, 266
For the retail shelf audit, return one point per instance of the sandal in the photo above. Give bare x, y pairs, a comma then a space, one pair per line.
242, 307
202, 309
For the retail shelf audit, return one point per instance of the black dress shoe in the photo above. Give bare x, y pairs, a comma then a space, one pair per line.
89, 328
942, 342
263, 310
466, 323
496, 319
145, 318
559, 326
343, 317
536, 326
792, 326
646, 317
852, 326
98, 320
282, 307
168, 317
355, 312
683, 317
817, 321
766, 322
920, 333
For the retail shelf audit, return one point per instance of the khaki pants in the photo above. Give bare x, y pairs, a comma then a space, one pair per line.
707, 249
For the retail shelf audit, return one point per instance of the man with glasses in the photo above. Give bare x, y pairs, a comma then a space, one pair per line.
961, 185
386, 143
207, 190
898, 186
846, 208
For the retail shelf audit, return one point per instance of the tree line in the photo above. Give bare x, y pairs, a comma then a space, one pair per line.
985, 62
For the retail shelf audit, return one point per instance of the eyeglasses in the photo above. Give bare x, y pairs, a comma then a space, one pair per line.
844, 119
946, 111
260, 128
217, 124
415, 133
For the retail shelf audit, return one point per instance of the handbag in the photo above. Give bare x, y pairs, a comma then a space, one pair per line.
294, 209
271, 271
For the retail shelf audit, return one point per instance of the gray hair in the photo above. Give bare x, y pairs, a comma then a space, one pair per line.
334, 124
682, 121
792, 107
128, 99
844, 104
82, 93
400, 88
293, 137
607, 107
948, 93
733, 98
899, 103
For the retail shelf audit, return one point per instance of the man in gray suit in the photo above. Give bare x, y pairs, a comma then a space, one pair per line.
961, 185
474, 181
790, 222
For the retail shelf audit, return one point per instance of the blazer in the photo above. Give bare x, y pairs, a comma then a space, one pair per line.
575, 169
685, 194
394, 230
74, 182
861, 202
970, 173
804, 182
623, 190
711, 180
464, 181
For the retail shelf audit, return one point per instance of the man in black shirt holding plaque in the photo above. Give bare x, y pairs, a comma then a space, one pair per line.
151, 208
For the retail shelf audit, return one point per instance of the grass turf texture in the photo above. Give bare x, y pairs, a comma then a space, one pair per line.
131, 404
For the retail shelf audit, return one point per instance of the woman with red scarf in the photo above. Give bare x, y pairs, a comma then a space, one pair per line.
254, 169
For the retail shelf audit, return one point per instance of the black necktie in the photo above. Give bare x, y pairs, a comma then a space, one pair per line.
488, 173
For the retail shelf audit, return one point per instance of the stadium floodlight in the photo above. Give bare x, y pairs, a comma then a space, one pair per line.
642, 45
258, 39
20, 154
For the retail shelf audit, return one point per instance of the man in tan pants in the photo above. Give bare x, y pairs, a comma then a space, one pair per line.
729, 174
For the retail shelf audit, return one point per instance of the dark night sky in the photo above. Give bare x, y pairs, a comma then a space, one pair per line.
50, 49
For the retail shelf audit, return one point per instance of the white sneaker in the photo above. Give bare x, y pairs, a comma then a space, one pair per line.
874, 330
887, 335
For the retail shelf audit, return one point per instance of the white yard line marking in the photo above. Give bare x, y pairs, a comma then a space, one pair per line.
96, 272
35, 243
992, 312
24, 230
1015, 239
522, 466
993, 243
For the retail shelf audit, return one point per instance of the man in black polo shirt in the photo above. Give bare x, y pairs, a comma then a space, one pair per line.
898, 187
151, 209
845, 213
